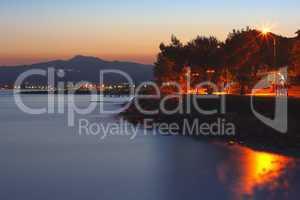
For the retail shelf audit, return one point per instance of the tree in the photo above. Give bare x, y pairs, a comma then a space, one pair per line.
239, 58
204, 53
243, 55
199, 54
170, 61
298, 33
295, 57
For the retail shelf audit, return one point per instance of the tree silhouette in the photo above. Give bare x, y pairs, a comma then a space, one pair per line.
295, 57
170, 61
298, 33
240, 57
243, 55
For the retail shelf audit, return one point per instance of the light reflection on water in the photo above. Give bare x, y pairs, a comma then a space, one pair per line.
258, 171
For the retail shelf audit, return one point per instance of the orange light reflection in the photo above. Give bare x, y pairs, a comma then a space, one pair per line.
257, 170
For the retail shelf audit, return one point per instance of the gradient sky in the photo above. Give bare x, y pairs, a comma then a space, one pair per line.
38, 30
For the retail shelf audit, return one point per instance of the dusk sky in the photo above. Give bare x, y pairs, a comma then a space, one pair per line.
39, 30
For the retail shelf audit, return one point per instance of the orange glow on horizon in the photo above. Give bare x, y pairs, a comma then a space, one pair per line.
11, 60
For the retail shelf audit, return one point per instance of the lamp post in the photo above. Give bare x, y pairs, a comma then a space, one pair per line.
266, 32
281, 79
210, 73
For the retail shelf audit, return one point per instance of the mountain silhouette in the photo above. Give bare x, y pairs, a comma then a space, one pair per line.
81, 68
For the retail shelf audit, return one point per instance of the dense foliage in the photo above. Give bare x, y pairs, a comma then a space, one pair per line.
239, 57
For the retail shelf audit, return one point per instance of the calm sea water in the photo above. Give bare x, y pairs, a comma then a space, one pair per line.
42, 158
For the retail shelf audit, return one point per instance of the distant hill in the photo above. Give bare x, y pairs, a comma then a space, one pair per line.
80, 68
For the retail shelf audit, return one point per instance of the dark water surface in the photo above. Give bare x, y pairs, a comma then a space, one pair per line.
42, 158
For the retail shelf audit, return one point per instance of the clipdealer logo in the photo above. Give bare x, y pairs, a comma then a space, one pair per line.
279, 123
280, 120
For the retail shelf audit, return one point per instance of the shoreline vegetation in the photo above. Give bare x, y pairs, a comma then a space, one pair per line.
245, 58
249, 130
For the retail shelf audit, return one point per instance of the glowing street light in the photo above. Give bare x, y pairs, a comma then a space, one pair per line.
210, 73
266, 31
278, 76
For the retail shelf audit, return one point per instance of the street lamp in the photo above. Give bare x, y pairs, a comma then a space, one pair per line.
266, 33
210, 73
